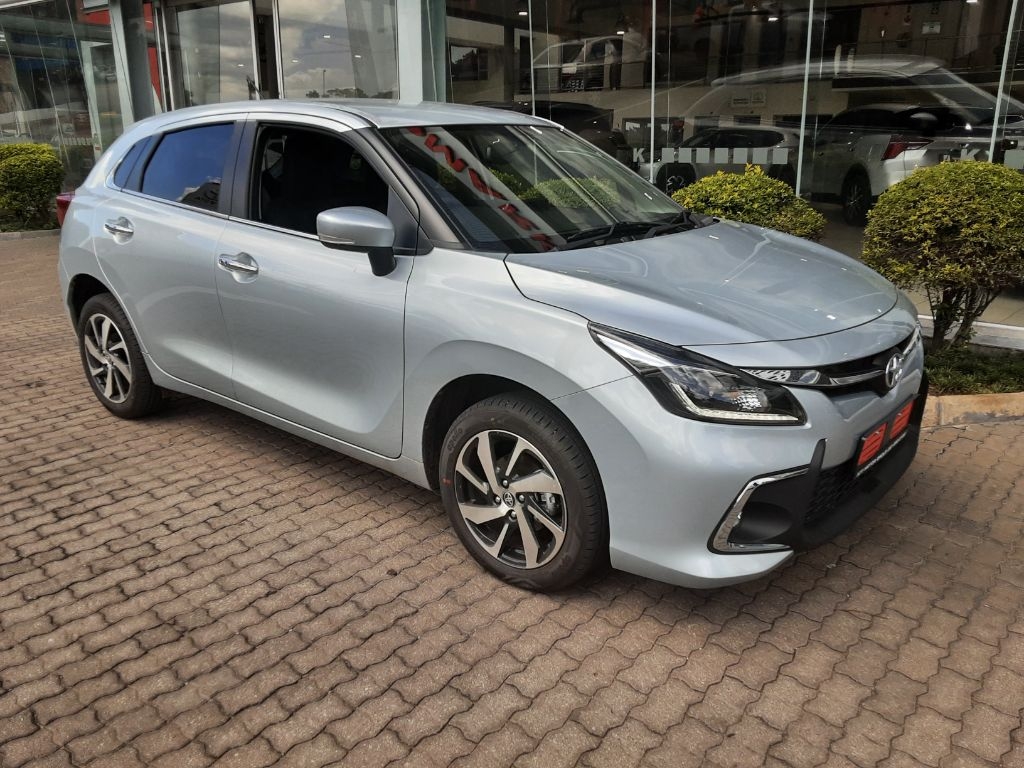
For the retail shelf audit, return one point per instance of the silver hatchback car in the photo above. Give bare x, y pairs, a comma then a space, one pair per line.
486, 305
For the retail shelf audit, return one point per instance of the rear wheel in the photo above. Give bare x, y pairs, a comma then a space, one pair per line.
856, 198
522, 492
113, 361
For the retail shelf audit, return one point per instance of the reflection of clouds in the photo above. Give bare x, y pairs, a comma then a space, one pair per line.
361, 52
213, 41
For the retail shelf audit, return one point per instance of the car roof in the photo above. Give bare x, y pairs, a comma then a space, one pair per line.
377, 113
826, 69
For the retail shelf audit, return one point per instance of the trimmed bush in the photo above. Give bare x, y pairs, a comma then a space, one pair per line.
954, 231
755, 198
30, 178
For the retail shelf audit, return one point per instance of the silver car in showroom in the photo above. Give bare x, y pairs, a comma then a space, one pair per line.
483, 304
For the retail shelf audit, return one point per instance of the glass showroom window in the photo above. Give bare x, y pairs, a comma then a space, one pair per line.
58, 82
731, 89
338, 48
210, 48
895, 87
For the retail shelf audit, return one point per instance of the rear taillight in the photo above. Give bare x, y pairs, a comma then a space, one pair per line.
899, 144
63, 201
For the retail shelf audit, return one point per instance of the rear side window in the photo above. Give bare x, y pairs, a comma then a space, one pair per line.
188, 165
127, 164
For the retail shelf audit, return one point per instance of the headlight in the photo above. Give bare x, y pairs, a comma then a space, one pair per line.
698, 387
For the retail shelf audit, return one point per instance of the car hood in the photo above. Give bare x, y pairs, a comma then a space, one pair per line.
726, 283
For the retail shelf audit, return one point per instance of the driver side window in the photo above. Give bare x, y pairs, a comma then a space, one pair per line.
299, 172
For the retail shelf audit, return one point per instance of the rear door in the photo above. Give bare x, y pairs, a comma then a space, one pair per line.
318, 338
155, 241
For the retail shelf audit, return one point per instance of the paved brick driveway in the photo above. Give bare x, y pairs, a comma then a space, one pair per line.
198, 588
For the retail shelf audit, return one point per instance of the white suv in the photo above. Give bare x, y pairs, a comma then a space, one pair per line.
862, 152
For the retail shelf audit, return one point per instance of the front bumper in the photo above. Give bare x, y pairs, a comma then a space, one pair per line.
802, 508
670, 482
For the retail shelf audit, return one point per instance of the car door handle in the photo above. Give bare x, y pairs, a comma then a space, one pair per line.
119, 226
241, 262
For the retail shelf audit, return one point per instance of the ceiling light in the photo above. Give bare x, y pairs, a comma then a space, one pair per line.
327, 37
776, 18
359, 55
295, 61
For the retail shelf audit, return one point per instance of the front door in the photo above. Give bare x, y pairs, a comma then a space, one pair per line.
318, 339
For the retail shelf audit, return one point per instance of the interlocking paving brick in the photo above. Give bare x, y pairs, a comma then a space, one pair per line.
199, 588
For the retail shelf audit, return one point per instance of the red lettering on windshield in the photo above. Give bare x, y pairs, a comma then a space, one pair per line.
434, 144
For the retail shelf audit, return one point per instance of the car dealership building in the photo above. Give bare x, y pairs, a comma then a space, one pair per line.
838, 97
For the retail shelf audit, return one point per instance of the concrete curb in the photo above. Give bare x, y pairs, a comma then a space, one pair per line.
968, 409
31, 234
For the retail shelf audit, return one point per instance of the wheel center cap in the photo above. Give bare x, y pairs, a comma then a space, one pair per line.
508, 499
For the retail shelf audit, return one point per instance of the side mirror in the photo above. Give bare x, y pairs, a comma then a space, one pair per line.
355, 228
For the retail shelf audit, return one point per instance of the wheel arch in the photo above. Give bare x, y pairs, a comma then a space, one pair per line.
454, 398
83, 287
451, 400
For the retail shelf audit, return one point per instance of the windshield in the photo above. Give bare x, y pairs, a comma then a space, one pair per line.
524, 188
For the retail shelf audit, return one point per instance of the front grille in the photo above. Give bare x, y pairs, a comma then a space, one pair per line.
834, 485
862, 374
837, 484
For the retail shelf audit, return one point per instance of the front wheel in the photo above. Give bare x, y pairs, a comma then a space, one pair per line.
672, 178
113, 361
522, 492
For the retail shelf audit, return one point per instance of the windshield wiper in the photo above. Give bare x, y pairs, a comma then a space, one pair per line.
601, 234
684, 220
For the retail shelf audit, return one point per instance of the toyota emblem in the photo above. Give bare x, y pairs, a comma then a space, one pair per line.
894, 370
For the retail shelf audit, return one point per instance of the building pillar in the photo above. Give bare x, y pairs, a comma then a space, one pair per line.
129, 24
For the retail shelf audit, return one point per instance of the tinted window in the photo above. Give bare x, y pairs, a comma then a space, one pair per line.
124, 169
188, 165
299, 173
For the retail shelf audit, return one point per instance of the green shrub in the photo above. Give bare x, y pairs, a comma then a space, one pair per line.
754, 198
575, 193
955, 231
30, 178
962, 371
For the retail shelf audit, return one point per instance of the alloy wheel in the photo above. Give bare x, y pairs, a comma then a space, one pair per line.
857, 198
510, 499
107, 358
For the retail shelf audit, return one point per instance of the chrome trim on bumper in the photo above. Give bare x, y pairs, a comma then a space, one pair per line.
721, 542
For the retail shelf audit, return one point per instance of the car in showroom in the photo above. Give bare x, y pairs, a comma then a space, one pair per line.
483, 304
726, 148
591, 123
861, 152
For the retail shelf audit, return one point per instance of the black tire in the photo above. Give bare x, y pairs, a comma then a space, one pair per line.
856, 199
579, 510
672, 178
129, 397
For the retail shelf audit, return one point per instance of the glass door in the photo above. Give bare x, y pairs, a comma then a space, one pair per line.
210, 47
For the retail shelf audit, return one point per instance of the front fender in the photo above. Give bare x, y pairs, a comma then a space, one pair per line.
465, 317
